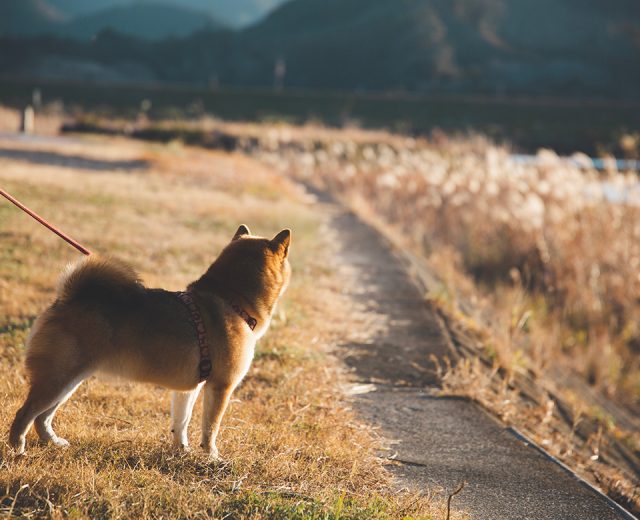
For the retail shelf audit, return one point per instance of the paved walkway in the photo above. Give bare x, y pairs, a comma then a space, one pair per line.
442, 441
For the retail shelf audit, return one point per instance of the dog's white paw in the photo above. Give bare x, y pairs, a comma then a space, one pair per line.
213, 455
20, 448
60, 442
182, 447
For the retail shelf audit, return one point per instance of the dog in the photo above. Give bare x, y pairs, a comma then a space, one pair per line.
105, 321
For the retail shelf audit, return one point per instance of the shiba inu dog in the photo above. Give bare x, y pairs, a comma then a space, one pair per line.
105, 321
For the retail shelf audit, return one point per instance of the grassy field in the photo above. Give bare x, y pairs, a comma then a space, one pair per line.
534, 271
292, 447
566, 126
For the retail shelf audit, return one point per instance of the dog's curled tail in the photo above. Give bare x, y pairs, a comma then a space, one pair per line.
96, 274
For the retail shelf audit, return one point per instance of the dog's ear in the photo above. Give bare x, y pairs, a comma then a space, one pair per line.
281, 241
242, 230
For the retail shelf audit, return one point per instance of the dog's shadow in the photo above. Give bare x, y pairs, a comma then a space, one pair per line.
129, 455
134, 455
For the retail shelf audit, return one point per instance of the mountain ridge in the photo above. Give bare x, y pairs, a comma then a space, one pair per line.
236, 13
151, 20
534, 47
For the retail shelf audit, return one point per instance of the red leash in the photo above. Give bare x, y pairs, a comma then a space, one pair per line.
42, 221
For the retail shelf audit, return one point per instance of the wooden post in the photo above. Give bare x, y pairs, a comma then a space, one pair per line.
27, 124
279, 73
36, 98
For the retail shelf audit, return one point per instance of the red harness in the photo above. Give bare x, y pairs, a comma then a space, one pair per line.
204, 367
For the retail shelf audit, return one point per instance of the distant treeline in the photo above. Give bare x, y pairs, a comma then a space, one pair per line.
594, 127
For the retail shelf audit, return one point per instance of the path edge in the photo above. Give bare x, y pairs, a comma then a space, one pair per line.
417, 273
529, 442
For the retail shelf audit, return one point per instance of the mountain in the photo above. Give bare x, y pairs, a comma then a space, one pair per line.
73, 8
27, 17
526, 47
460, 45
234, 13
143, 20
152, 21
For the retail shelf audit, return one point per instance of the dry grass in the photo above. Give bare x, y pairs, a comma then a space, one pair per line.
536, 269
535, 264
47, 120
294, 449
543, 234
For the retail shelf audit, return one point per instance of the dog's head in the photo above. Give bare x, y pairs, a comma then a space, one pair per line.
252, 268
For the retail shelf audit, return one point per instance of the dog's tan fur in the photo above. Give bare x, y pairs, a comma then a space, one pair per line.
104, 320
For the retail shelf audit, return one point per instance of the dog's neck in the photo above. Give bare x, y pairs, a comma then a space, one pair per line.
254, 309
250, 320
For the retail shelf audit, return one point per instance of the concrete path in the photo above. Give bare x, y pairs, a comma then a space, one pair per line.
442, 441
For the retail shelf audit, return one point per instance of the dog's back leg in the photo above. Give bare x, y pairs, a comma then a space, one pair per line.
43, 422
46, 394
56, 366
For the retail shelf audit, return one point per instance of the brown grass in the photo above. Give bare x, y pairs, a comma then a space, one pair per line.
47, 121
545, 233
534, 268
537, 269
293, 447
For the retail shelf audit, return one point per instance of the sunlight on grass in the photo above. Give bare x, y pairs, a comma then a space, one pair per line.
293, 447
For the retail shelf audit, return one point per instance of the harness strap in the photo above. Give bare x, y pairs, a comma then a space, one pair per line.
251, 321
204, 367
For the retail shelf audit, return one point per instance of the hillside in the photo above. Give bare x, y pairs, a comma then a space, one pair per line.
234, 13
152, 21
27, 17
531, 47
72, 8
464, 45
148, 20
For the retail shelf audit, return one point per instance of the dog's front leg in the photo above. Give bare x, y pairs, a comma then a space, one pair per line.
181, 410
216, 400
